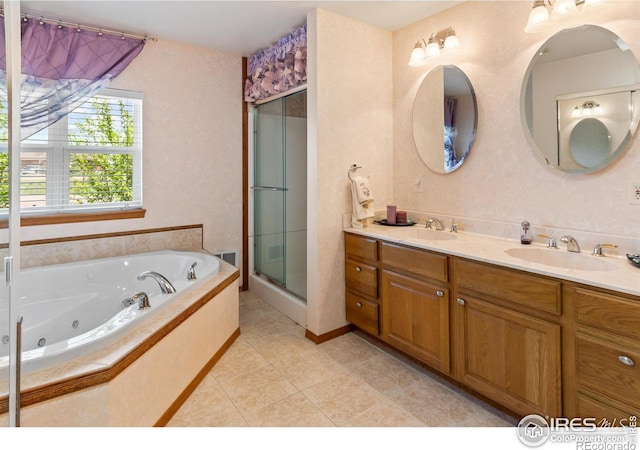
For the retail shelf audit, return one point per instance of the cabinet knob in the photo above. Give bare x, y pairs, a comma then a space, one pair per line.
626, 361
460, 301
358, 269
440, 293
359, 305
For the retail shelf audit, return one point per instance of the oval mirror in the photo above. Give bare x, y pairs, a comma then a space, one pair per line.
581, 73
445, 118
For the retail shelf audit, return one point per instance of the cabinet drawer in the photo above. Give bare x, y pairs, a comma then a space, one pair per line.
614, 413
361, 248
608, 312
362, 313
418, 262
361, 277
599, 368
527, 290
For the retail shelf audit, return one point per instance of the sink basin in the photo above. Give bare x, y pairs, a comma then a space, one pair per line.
562, 259
422, 233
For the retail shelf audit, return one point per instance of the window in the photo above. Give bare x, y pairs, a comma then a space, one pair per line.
91, 160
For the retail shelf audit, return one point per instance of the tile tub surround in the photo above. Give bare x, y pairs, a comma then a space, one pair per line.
123, 386
491, 248
79, 248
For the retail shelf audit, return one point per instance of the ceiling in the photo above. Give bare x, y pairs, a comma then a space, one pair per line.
240, 27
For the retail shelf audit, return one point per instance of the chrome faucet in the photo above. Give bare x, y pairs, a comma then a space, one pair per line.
572, 244
433, 220
597, 251
165, 285
191, 274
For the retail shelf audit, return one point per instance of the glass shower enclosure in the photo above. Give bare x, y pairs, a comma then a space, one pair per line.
280, 193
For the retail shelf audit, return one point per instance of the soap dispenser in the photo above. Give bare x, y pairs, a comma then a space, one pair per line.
525, 234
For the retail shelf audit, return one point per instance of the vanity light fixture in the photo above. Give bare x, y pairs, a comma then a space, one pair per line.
546, 11
588, 108
418, 54
443, 40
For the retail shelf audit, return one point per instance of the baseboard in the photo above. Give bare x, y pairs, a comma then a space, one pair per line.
328, 336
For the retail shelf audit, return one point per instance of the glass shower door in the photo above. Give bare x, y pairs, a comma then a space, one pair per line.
269, 192
280, 192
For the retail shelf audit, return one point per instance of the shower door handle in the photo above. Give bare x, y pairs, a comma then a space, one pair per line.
18, 367
268, 188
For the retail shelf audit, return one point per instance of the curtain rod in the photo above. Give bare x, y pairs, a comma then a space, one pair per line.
79, 27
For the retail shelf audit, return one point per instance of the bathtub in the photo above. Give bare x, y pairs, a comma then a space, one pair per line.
73, 309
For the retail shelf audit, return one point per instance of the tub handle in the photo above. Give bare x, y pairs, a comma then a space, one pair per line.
143, 300
191, 274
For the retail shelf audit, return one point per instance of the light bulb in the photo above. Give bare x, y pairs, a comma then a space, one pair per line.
451, 42
563, 9
417, 57
538, 18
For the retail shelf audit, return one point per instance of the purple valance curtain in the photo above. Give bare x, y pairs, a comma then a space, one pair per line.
450, 158
278, 68
450, 104
62, 68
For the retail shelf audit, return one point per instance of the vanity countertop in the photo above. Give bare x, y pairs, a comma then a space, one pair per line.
620, 275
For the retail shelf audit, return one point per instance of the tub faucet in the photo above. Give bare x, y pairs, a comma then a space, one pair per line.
433, 220
572, 244
165, 285
191, 274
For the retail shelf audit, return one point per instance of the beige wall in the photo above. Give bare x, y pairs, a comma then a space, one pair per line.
360, 95
192, 145
350, 121
503, 180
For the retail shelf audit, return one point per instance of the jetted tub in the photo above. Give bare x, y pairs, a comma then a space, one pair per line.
73, 309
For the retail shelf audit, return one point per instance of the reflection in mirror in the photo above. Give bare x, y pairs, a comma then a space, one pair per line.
589, 143
580, 73
444, 119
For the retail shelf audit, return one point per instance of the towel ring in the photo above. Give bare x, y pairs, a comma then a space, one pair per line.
352, 169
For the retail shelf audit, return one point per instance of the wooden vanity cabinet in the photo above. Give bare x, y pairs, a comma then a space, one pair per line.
508, 336
415, 303
602, 360
361, 282
531, 343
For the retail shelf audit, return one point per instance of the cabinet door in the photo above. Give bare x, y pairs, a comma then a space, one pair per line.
416, 318
511, 358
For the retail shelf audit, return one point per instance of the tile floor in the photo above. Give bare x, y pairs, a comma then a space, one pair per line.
272, 376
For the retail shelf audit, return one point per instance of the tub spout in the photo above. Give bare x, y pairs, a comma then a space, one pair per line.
165, 285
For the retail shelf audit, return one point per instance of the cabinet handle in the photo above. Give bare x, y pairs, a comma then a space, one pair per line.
626, 361
460, 301
358, 269
359, 305
440, 293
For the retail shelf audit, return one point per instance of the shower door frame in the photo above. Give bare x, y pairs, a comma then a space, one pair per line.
11, 236
281, 299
